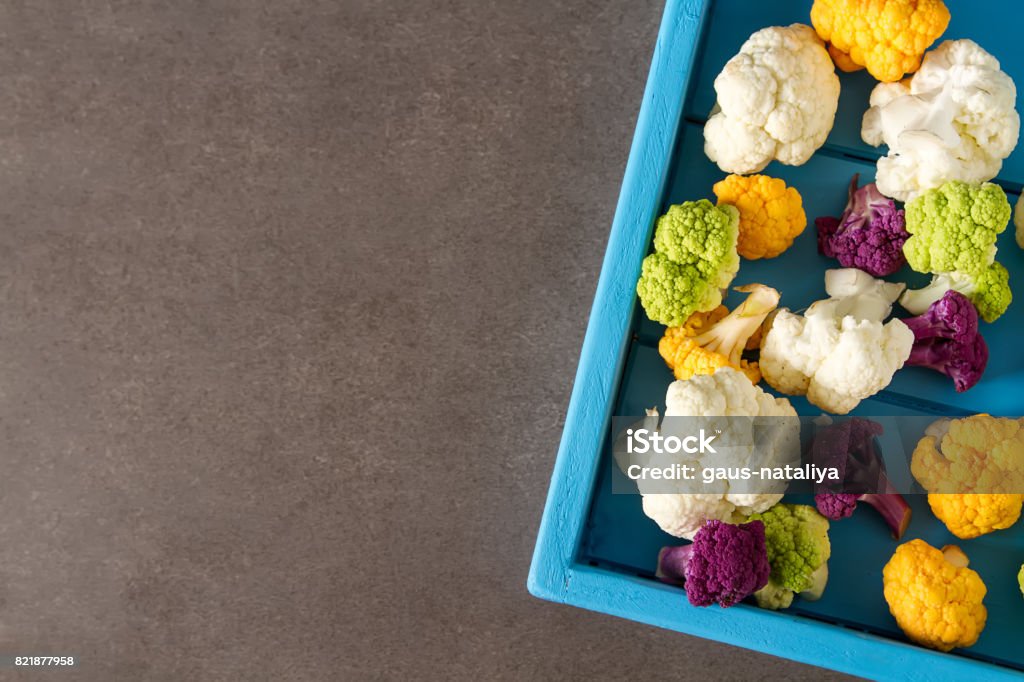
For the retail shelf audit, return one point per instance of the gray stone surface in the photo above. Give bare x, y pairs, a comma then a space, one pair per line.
292, 296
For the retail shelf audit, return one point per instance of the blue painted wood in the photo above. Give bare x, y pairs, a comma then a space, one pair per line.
606, 341
780, 633
597, 550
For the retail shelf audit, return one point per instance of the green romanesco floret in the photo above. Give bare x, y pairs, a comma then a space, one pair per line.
796, 536
954, 227
988, 290
954, 230
694, 259
774, 596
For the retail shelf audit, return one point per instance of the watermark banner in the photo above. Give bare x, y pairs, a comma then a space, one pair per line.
857, 455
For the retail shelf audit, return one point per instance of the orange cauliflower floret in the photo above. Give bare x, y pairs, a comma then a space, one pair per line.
771, 214
888, 37
935, 599
678, 344
973, 514
973, 470
709, 341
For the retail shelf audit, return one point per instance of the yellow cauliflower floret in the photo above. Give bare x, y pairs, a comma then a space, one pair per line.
888, 37
709, 341
973, 514
973, 470
935, 599
771, 214
685, 357
842, 60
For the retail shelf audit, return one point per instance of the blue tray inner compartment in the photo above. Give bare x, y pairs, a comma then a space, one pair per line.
620, 537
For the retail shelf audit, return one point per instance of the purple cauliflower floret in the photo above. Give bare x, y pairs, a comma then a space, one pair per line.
724, 565
869, 235
849, 446
836, 506
947, 339
952, 317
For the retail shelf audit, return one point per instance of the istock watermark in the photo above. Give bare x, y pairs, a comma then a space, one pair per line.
687, 472
643, 441
906, 454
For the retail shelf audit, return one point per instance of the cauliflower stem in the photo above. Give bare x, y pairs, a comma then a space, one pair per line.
850, 446
709, 341
988, 290
729, 336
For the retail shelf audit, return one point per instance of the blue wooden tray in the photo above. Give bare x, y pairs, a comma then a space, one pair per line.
597, 550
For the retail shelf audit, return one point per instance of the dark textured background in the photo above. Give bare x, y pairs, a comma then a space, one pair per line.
293, 293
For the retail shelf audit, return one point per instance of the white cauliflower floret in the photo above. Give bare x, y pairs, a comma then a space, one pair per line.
722, 394
726, 393
777, 99
953, 120
682, 515
839, 352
